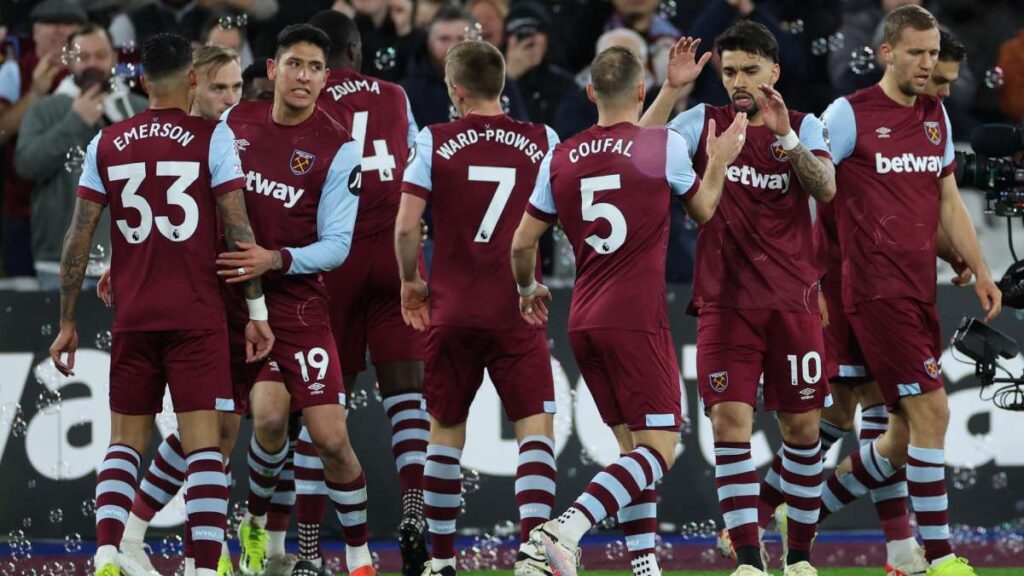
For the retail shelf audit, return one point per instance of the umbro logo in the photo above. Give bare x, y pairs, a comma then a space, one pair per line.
316, 388
807, 393
241, 144
883, 132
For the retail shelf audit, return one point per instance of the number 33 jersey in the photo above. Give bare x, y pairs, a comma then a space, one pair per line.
160, 173
477, 172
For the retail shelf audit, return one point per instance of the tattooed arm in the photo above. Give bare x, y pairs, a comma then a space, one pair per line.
73, 262
817, 174
231, 207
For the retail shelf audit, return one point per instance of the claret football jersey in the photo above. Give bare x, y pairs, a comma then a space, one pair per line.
160, 173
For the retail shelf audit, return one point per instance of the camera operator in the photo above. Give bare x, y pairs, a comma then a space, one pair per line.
81, 105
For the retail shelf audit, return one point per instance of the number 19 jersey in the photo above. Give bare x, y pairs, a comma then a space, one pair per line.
477, 172
160, 172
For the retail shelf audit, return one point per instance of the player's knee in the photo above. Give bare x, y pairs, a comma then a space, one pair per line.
271, 427
731, 423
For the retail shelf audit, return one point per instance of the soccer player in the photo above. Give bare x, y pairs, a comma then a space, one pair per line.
364, 291
611, 187
851, 380
164, 174
218, 87
893, 148
302, 175
756, 288
255, 84
477, 172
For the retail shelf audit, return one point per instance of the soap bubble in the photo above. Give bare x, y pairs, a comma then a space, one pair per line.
862, 60
795, 27
668, 9
836, 42
71, 54
473, 32
73, 543
819, 46
470, 481
56, 516
964, 477
385, 59
104, 340
994, 78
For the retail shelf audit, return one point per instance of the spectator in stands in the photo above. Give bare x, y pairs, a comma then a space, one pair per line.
1011, 61
491, 15
719, 15
550, 93
425, 77
68, 119
424, 12
228, 31
184, 17
255, 84
23, 81
861, 28
387, 44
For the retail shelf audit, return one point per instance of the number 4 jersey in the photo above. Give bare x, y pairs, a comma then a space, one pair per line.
160, 172
477, 173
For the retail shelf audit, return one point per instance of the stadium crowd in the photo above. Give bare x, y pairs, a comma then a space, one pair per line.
55, 50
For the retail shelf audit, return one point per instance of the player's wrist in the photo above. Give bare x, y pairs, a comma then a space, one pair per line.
789, 140
257, 308
527, 291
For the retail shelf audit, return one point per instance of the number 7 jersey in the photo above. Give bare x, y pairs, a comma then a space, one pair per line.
160, 172
477, 172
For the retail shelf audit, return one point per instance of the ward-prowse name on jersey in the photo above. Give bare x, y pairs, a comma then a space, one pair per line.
514, 139
155, 130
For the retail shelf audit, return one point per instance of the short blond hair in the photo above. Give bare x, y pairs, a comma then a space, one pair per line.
209, 59
909, 16
478, 67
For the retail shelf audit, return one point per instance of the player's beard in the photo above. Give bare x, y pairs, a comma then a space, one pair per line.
750, 109
907, 88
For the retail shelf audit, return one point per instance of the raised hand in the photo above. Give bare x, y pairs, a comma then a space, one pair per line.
726, 146
773, 110
683, 66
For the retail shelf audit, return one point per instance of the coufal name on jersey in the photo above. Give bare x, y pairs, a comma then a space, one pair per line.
469, 137
748, 176
907, 162
339, 91
142, 131
256, 182
607, 145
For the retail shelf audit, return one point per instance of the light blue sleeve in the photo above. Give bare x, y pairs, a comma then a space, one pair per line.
812, 134
335, 215
553, 139
947, 155
541, 198
10, 81
418, 171
678, 166
690, 125
90, 177
841, 126
410, 136
225, 165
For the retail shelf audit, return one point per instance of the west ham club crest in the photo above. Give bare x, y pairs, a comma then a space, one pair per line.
778, 152
933, 132
301, 162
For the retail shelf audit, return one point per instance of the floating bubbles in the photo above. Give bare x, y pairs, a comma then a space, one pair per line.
862, 60
46, 329
97, 260
18, 428
453, 112
794, 27
31, 484
836, 42
229, 22
74, 158
385, 59
473, 32
171, 546
999, 481
610, 522
127, 72
21, 548
861, 560
73, 542
668, 9
994, 78
26, 522
709, 556
104, 340
964, 477
359, 399
506, 104
615, 550
88, 507
48, 402
470, 482
56, 516
70, 54
61, 471
819, 46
